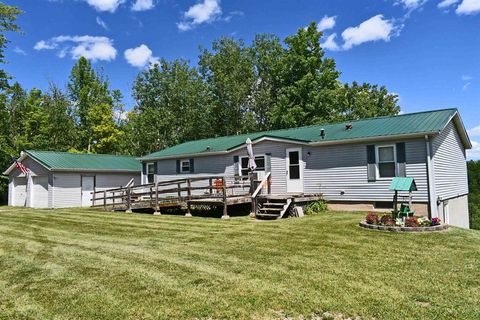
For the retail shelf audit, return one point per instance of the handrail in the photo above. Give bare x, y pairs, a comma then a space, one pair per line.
129, 192
260, 186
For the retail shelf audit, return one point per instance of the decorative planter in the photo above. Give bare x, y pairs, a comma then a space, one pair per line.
440, 227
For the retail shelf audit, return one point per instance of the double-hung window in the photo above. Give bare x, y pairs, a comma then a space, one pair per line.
386, 161
185, 166
150, 173
259, 161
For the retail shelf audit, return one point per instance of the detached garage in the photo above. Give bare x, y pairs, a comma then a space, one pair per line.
62, 179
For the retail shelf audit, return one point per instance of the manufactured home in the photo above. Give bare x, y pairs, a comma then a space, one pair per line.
351, 164
60, 179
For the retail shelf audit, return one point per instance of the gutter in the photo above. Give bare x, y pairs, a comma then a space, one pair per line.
313, 144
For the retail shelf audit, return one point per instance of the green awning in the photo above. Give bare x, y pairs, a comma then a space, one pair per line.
403, 184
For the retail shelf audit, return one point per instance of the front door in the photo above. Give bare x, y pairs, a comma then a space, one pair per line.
88, 184
294, 170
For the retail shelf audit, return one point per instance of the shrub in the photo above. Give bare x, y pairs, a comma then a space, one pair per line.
387, 220
372, 218
424, 222
411, 222
436, 221
316, 207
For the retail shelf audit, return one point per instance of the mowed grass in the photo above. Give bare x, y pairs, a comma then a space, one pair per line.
84, 264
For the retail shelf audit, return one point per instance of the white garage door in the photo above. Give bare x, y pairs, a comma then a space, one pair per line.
19, 191
39, 192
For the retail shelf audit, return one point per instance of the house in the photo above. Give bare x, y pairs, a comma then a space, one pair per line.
350, 163
61, 179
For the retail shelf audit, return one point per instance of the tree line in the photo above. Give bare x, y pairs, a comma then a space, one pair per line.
233, 88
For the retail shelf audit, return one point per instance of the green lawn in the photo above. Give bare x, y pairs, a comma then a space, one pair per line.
67, 264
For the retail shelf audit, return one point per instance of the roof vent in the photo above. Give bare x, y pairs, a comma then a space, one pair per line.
322, 133
349, 126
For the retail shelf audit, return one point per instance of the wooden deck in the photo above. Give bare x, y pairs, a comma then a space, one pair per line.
185, 194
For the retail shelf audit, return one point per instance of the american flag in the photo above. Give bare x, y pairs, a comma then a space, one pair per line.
20, 166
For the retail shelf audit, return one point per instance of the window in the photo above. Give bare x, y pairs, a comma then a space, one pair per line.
386, 161
185, 166
294, 165
150, 173
259, 161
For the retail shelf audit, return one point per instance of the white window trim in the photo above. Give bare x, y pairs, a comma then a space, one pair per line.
150, 164
377, 160
256, 155
181, 166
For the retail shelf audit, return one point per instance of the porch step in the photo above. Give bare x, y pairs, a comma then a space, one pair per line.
274, 208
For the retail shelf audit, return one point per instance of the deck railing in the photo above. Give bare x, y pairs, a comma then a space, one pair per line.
265, 183
173, 191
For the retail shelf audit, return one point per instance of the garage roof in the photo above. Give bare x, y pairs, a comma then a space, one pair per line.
65, 161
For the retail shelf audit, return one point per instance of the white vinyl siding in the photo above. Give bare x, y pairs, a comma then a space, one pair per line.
339, 172
449, 164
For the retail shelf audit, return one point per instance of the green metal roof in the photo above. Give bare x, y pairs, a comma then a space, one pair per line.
412, 123
403, 184
85, 162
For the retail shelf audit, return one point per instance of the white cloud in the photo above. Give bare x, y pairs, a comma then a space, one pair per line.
465, 86
468, 7
330, 43
474, 153
105, 5
140, 56
19, 51
203, 12
90, 47
411, 4
446, 3
142, 5
374, 29
43, 45
466, 77
474, 132
101, 23
326, 23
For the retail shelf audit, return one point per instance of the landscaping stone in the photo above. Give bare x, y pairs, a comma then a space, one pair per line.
440, 227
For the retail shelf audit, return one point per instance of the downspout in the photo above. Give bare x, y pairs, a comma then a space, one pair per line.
432, 195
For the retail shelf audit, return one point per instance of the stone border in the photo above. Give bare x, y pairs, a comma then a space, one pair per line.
440, 227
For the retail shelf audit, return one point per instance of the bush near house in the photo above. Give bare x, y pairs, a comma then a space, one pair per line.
474, 196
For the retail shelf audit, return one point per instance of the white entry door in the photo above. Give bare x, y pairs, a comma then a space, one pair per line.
88, 184
446, 212
294, 170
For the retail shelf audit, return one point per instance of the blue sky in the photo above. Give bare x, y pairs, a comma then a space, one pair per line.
426, 51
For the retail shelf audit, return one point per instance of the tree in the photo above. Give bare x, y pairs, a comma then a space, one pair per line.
172, 106
308, 82
365, 101
229, 73
90, 94
268, 55
8, 15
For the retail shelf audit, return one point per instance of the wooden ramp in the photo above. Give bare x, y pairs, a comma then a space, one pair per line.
203, 193
207, 191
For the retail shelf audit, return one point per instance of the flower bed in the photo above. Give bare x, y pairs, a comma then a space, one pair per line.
407, 224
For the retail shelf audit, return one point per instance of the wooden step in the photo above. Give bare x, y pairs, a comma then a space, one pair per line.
267, 215
273, 204
272, 209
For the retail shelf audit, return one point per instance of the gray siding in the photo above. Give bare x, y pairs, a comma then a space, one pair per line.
339, 172
10, 191
223, 164
105, 181
35, 168
328, 170
449, 164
